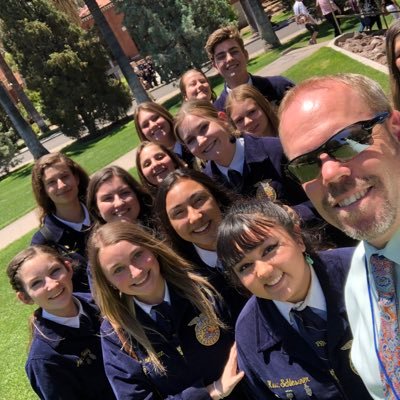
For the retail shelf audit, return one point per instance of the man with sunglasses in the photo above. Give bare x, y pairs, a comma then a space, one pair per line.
342, 139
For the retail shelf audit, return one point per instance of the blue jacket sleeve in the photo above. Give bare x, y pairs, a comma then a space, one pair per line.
50, 382
129, 381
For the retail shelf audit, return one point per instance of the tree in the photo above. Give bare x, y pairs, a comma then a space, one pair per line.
21, 126
264, 25
24, 99
65, 64
134, 83
174, 32
8, 146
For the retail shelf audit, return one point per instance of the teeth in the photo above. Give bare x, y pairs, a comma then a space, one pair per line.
56, 295
275, 280
352, 199
159, 170
209, 147
202, 228
142, 281
119, 213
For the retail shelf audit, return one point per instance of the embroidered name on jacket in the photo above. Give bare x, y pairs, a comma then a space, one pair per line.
287, 382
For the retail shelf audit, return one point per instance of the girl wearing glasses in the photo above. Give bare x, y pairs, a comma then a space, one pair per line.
162, 336
156, 124
189, 206
65, 359
195, 85
293, 337
59, 185
249, 111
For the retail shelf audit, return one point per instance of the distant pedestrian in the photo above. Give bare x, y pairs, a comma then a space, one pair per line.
329, 9
303, 16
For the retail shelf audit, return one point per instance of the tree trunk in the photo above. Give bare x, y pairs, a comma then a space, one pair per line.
264, 25
249, 15
21, 126
29, 107
123, 62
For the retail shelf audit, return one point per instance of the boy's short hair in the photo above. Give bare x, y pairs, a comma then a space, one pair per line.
219, 36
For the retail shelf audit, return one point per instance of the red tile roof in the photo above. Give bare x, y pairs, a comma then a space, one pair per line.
83, 12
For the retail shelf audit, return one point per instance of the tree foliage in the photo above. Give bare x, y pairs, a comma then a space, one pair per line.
65, 64
8, 143
174, 32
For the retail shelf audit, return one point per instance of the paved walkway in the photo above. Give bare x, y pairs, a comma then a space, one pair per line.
30, 221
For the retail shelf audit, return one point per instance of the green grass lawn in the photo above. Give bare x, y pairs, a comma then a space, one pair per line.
91, 154
328, 61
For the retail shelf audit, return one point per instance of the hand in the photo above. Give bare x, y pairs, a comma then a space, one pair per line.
229, 378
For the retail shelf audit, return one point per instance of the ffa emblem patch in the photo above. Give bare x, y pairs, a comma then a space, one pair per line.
207, 333
265, 191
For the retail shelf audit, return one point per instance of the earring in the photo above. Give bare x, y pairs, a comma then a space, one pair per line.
309, 260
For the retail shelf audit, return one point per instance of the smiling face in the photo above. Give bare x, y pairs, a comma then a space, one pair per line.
196, 86
231, 62
276, 269
248, 117
48, 283
156, 128
207, 139
133, 270
155, 164
361, 196
60, 184
193, 213
116, 201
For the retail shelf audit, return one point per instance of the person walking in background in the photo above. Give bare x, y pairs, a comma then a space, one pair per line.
329, 9
346, 155
302, 16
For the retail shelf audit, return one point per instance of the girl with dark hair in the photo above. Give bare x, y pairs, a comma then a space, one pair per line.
59, 185
249, 111
392, 52
114, 195
195, 85
162, 336
293, 336
189, 206
65, 359
156, 124
154, 162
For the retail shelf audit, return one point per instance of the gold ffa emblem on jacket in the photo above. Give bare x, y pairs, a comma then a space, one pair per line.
265, 191
207, 332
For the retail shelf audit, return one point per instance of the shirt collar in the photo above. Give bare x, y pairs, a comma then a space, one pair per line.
237, 162
77, 226
147, 307
390, 251
249, 82
72, 322
315, 298
209, 257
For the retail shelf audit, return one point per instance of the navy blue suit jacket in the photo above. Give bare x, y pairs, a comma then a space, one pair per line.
191, 366
67, 363
263, 161
273, 88
278, 362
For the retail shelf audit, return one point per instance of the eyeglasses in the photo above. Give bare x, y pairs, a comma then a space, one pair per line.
343, 147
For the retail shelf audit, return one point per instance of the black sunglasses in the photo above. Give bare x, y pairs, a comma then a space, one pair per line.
343, 146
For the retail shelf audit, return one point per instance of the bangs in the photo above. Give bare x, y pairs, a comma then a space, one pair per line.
243, 236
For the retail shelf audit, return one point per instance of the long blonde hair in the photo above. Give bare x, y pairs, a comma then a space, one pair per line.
119, 308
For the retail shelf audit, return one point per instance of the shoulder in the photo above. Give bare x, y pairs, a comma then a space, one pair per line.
219, 104
246, 318
279, 83
337, 258
261, 147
